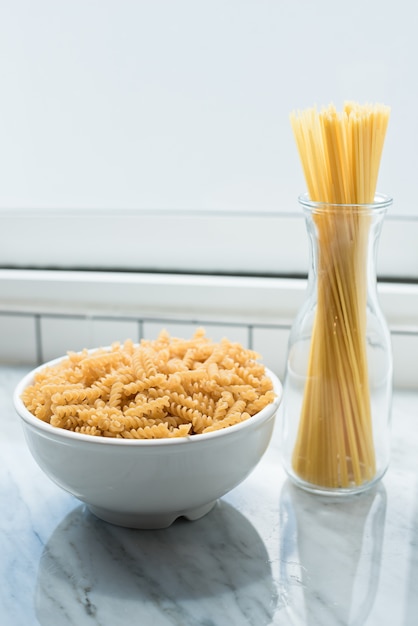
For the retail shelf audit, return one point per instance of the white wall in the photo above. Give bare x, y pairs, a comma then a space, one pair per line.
185, 103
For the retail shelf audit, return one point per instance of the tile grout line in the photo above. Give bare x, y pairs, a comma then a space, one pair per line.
250, 329
38, 339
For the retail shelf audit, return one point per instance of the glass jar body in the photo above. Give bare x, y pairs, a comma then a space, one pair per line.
338, 381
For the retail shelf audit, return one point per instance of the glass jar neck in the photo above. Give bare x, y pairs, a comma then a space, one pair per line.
376, 208
344, 238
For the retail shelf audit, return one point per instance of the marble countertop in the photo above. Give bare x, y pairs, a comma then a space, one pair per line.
267, 553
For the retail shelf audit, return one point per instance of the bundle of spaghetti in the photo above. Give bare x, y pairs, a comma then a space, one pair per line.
340, 154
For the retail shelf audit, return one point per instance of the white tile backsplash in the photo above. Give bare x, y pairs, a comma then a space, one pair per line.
405, 360
47, 313
151, 329
28, 339
239, 334
215, 332
103, 332
60, 335
271, 344
18, 339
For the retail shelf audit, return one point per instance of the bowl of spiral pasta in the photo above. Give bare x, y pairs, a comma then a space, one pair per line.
144, 433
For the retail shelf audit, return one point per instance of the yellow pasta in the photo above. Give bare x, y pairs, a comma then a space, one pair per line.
340, 155
168, 387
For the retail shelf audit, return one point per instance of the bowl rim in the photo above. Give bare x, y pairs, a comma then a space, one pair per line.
47, 429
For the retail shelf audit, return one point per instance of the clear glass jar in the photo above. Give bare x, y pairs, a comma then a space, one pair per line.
338, 381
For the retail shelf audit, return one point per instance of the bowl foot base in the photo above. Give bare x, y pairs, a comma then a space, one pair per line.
149, 521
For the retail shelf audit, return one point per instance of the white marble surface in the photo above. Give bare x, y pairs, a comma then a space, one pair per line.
267, 554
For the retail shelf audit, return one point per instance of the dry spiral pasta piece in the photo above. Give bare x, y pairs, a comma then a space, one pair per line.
237, 408
184, 413
209, 387
76, 395
247, 392
222, 406
115, 395
148, 362
204, 403
260, 403
88, 430
157, 431
66, 417
201, 422
128, 347
132, 388
230, 420
189, 358
137, 365
148, 407
194, 402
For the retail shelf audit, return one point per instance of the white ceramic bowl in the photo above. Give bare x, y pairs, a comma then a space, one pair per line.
148, 483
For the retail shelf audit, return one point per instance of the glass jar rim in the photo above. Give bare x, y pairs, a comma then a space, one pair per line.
381, 203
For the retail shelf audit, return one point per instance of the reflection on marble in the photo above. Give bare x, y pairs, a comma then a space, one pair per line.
330, 554
91, 571
267, 553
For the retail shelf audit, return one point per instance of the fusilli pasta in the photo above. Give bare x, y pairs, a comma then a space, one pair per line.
167, 387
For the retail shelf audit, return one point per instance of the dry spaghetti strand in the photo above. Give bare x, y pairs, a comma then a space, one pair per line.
340, 155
